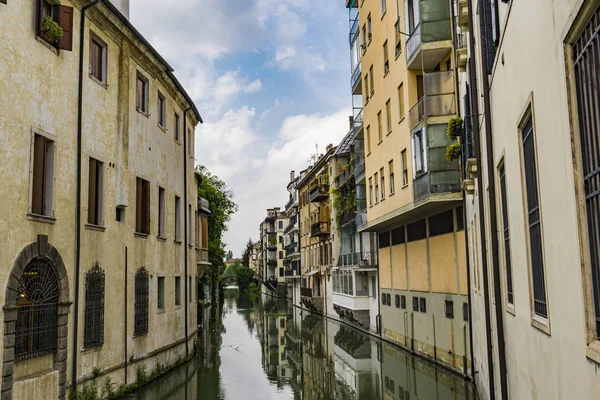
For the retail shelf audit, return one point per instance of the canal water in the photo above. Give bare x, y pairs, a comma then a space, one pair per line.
261, 348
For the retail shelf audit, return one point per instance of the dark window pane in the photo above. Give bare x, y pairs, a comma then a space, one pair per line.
441, 223
398, 236
417, 230
384, 240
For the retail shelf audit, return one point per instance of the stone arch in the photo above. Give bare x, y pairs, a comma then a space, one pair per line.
39, 249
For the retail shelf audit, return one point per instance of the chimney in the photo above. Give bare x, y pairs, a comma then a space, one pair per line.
351, 119
329, 147
292, 175
122, 6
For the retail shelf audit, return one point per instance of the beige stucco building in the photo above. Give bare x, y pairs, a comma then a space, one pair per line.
273, 254
537, 290
99, 204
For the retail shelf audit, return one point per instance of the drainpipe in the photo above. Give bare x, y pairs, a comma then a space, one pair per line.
492, 200
481, 194
78, 198
125, 314
185, 224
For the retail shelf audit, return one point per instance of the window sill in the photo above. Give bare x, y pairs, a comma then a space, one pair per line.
179, 242
592, 351
178, 307
160, 311
88, 350
96, 228
178, 142
401, 120
161, 238
140, 336
99, 82
383, 15
162, 128
391, 194
386, 73
372, 93
140, 235
405, 186
368, 154
541, 324
144, 113
46, 44
388, 134
510, 308
398, 54
41, 218
381, 141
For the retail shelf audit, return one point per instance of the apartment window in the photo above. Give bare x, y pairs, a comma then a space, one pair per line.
383, 7
190, 239
189, 138
189, 295
386, 60
161, 212
533, 217
177, 290
364, 37
419, 154
42, 180
401, 101
62, 15
142, 206
197, 230
379, 128
142, 281
280, 224
398, 38
388, 116
403, 302
368, 139
449, 309
411, 15
376, 187
415, 301
506, 233
177, 127
423, 304
142, 93
372, 80
161, 293
404, 168
98, 60
95, 192
162, 110
370, 191
382, 177
280, 255
177, 219
391, 176
369, 31
93, 335
441, 224
366, 80
416, 231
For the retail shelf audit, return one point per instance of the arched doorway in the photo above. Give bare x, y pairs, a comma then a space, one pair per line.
36, 312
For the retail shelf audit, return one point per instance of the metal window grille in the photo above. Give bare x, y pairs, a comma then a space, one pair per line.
403, 302
415, 301
397, 300
586, 53
533, 211
94, 307
141, 302
449, 309
465, 308
423, 304
36, 327
505, 228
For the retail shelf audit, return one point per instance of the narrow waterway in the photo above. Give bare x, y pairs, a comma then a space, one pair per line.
259, 348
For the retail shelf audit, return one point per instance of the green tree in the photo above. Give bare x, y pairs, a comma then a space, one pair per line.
244, 277
222, 207
247, 253
229, 255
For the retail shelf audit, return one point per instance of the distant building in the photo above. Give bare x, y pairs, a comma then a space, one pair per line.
271, 237
291, 241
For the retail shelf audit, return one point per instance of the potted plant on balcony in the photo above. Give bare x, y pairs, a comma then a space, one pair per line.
453, 152
455, 128
51, 31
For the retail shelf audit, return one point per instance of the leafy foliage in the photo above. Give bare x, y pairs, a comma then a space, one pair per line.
453, 152
51, 29
247, 253
454, 128
344, 199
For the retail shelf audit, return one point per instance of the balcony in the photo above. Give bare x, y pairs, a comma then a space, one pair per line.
291, 224
347, 217
319, 229
305, 292
361, 219
291, 203
360, 259
292, 249
319, 193
272, 241
354, 303
359, 170
355, 80
431, 39
345, 175
272, 262
438, 101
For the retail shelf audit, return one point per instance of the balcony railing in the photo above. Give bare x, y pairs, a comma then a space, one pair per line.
345, 175
292, 249
291, 224
359, 170
413, 42
356, 75
305, 292
347, 217
319, 193
361, 219
434, 25
319, 229
201, 255
289, 204
364, 259
438, 100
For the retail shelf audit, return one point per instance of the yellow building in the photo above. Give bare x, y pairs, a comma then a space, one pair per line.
98, 200
403, 83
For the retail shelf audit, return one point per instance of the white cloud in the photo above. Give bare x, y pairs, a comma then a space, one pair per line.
253, 87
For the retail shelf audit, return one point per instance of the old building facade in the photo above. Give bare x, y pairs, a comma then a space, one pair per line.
99, 196
273, 256
291, 241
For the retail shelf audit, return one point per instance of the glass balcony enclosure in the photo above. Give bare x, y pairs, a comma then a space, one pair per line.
428, 22
438, 98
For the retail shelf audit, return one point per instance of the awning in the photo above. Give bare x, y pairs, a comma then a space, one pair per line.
311, 273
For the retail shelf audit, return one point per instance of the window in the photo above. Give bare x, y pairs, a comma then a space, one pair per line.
533, 217
204, 220
398, 236
142, 281
142, 94
161, 212
415, 301
449, 309
368, 139
161, 293
391, 176
197, 226
190, 152
367, 87
506, 233
98, 59
177, 290
419, 154
369, 32
177, 219
398, 38
280, 255
423, 304
401, 101
386, 60
370, 191
411, 15
189, 293
162, 110
384, 239
364, 38
142, 207
280, 224
93, 335
383, 7
404, 168
416, 231
372, 80
281, 273
376, 187
95, 192
61, 15
388, 116
382, 177
441, 224
379, 128
397, 300
177, 127
403, 302
42, 180
36, 327
190, 239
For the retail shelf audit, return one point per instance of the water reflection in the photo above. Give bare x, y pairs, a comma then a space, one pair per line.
253, 348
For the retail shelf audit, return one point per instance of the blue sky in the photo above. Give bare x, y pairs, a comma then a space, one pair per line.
271, 80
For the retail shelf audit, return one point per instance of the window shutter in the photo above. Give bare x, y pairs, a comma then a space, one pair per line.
65, 20
146, 207
39, 154
138, 205
92, 192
